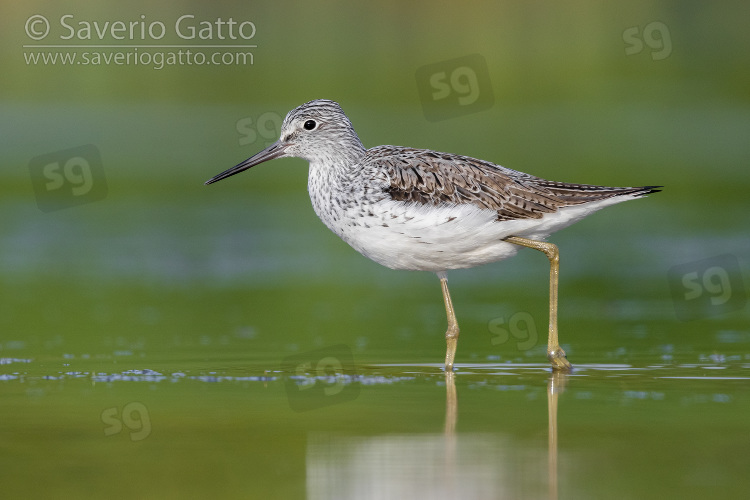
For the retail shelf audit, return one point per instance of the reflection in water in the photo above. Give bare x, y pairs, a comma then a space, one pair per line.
434, 466
451, 415
412, 466
555, 386
451, 403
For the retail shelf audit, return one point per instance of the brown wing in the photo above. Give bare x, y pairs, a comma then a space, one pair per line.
429, 177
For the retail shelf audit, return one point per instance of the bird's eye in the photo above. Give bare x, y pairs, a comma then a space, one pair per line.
310, 124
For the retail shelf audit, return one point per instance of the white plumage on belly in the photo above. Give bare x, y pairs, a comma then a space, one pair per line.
434, 238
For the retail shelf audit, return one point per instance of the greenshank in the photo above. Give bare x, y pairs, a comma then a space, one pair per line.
422, 210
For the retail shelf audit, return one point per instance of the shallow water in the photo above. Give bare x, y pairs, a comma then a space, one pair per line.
492, 430
172, 340
233, 348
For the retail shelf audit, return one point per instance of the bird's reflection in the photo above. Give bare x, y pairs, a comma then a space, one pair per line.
451, 416
451, 403
447, 465
555, 386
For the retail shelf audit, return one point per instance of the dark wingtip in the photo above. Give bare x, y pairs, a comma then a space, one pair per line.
643, 191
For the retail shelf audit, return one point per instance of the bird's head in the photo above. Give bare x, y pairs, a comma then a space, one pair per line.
317, 131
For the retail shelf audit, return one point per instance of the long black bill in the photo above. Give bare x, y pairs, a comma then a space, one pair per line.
275, 150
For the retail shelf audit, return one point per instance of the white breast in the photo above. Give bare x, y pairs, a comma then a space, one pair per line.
434, 238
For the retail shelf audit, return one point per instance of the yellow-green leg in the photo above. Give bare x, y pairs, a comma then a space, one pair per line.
555, 353
451, 335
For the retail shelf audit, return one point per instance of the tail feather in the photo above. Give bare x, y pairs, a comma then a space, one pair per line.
582, 193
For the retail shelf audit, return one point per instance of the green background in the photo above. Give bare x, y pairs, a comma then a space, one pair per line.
163, 273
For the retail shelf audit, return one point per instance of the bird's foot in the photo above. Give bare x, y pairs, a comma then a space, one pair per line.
559, 360
451, 339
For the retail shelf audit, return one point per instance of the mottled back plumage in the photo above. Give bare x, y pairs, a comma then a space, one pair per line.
432, 178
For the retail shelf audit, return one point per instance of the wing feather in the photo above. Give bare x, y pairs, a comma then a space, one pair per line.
432, 178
